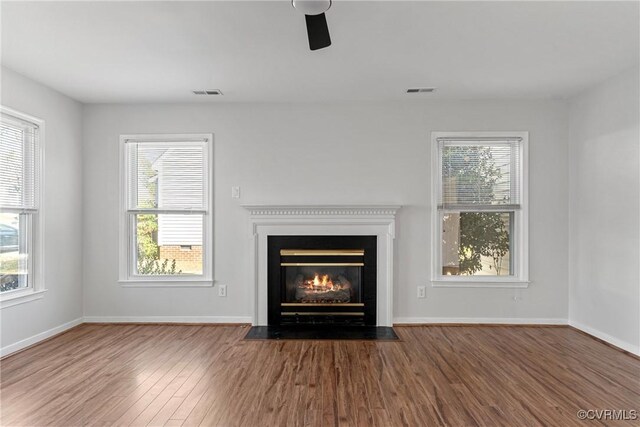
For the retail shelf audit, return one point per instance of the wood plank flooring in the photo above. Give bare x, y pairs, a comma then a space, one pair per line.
172, 375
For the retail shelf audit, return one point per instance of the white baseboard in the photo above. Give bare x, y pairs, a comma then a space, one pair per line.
606, 337
167, 319
12, 348
479, 320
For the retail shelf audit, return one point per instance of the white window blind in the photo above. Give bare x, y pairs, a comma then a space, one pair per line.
18, 164
479, 174
166, 176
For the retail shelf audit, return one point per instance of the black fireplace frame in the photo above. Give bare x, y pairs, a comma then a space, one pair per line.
276, 285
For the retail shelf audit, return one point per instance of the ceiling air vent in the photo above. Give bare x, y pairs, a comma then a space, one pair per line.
421, 90
208, 92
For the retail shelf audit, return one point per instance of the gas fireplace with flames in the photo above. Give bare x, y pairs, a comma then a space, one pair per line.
322, 280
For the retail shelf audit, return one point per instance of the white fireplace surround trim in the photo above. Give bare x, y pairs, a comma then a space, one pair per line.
283, 220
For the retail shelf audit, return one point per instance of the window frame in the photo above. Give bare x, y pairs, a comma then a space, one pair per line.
127, 277
520, 237
34, 222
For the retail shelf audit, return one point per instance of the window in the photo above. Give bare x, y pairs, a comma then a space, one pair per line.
20, 225
480, 215
166, 215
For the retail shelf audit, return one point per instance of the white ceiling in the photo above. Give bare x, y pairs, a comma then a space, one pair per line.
257, 51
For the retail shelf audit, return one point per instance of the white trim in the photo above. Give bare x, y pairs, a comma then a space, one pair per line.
166, 283
457, 282
36, 256
322, 210
168, 319
12, 348
480, 320
266, 220
624, 345
17, 297
521, 219
126, 277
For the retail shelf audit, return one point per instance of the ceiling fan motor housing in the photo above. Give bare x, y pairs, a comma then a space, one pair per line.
311, 7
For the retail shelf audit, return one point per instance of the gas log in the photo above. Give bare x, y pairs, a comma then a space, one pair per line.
322, 291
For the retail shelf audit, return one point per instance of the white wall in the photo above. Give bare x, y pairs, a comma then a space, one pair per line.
310, 153
363, 153
604, 212
61, 305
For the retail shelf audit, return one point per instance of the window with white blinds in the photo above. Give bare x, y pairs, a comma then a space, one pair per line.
480, 215
167, 176
18, 164
166, 207
479, 174
20, 219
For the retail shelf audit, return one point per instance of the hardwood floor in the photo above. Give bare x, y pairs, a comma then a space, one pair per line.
207, 375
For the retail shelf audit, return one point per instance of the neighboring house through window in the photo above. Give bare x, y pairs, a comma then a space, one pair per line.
167, 217
21, 261
480, 208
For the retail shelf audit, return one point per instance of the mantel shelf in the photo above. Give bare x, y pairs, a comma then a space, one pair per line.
322, 210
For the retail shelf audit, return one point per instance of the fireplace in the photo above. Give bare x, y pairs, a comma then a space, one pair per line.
322, 280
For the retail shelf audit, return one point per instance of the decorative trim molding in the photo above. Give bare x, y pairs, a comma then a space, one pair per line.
480, 320
265, 220
37, 338
616, 342
328, 210
168, 319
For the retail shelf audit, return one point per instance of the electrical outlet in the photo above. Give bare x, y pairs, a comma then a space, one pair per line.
235, 192
222, 290
422, 291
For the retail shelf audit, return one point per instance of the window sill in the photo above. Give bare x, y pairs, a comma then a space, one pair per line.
20, 297
196, 283
439, 283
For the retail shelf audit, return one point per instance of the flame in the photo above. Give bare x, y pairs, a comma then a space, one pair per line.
321, 283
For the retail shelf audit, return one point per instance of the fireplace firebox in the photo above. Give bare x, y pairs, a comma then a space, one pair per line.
322, 280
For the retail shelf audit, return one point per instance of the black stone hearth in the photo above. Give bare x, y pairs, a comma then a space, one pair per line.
321, 332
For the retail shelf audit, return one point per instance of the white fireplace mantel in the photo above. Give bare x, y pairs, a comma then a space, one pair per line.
310, 220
